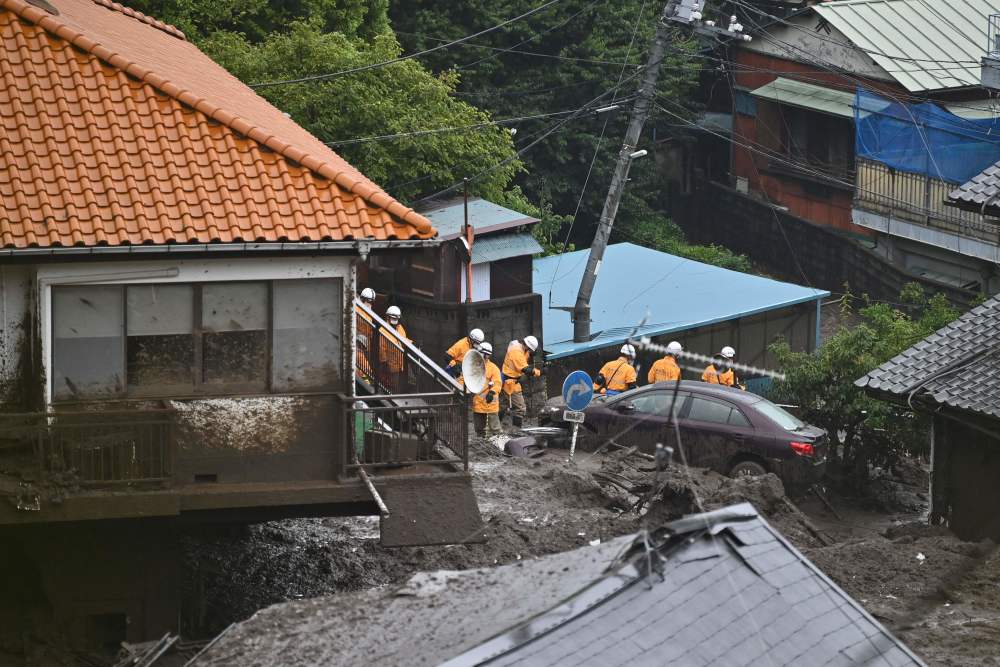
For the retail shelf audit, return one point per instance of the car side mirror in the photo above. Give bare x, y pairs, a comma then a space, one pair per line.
626, 407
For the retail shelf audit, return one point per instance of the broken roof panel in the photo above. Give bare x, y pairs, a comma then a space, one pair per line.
728, 589
116, 131
924, 44
956, 366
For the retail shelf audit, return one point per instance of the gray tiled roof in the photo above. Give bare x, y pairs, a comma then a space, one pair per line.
737, 594
983, 188
733, 591
957, 366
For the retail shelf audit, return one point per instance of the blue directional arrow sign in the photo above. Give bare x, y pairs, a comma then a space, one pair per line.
577, 390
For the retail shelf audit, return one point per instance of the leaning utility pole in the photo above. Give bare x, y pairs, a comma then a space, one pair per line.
640, 112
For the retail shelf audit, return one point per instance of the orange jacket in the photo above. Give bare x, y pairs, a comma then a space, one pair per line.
479, 404
664, 370
514, 363
618, 375
389, 348
713, 376
458, 351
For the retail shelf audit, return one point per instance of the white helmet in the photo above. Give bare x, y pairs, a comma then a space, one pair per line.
393, 311
531, 342
476, 336
368, 294
728, 353
486, 349
674, 348
628, 350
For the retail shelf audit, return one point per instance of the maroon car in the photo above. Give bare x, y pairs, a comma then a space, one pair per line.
728, 430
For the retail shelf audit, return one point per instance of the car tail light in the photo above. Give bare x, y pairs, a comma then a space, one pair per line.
802, 448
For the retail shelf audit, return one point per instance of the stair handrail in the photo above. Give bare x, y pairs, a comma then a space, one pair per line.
413, 352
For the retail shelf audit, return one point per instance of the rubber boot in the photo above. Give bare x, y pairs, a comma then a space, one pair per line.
517, 421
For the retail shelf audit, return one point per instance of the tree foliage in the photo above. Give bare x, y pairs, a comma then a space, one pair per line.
576, 52
261, 41
871, 432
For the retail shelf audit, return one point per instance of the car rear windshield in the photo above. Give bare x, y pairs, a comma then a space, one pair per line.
779, 416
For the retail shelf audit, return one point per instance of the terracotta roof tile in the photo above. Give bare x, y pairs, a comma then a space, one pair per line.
115, 130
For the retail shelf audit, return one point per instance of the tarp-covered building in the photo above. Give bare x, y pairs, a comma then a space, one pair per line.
645, 292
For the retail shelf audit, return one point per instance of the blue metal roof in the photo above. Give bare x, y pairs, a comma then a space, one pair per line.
677, 294
503, 246
448, 218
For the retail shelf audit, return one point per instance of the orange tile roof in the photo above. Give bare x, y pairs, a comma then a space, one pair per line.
115, 130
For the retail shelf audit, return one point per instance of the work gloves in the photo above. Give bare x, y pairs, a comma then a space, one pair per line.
491, 396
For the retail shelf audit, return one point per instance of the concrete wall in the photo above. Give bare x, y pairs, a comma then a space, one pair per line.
719, 214
15, 337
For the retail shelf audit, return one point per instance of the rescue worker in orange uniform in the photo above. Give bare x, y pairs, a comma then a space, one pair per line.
517, 364
486, 404
456, 353
389, 347
619, 374
720, 371
364, 331
666, 369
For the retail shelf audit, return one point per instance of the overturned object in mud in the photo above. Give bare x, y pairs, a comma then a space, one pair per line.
524, 446
694, 592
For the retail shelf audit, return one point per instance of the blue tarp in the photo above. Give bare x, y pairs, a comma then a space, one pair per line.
924, 138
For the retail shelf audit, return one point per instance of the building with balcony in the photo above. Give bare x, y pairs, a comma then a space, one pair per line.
178, 331
869, 172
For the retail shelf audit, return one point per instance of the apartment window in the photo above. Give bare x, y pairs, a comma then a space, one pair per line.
197, 339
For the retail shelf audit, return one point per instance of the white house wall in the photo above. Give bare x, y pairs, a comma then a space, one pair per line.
185, 271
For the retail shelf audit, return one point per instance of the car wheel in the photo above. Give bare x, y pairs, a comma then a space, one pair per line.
747, 469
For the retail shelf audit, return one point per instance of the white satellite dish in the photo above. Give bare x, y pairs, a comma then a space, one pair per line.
474, 371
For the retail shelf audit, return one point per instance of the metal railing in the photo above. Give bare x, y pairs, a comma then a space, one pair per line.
391, 364
394, 430
919, 199
92, 448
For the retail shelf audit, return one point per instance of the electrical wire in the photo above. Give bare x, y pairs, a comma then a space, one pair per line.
391, 61
597, 151
590, 105
454, 128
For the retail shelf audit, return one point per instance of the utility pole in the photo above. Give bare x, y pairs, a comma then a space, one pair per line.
628, 152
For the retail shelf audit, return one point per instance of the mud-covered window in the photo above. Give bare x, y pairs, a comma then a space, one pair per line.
160, 342
86, 342
234, 329
308, 334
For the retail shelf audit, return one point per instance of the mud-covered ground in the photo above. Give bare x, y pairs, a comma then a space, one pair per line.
941, 595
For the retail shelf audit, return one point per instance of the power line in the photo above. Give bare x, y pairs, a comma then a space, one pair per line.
363, 68
454, 128
597, 151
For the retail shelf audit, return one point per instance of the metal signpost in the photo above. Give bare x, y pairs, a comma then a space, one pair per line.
577, 392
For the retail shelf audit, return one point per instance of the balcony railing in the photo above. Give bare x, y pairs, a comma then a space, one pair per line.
918, 199
90, 448
397, 430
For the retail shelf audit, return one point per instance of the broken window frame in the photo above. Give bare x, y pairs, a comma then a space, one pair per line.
199, 387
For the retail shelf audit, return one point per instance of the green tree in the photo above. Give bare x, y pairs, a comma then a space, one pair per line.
396, 99
871, 432
577, 50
